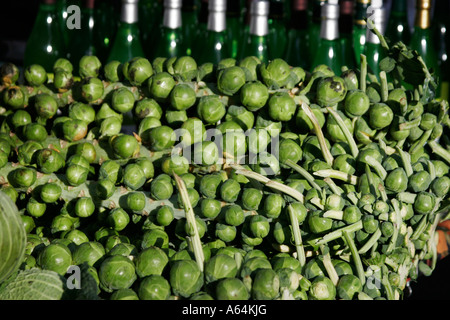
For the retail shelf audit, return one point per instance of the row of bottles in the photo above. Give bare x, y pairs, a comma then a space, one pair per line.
304, 33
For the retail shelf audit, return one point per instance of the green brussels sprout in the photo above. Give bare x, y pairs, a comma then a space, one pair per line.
123, 248
74, 130
186, 278
289, 150
118, 219
155, 238
234, 145
35, 208
258, 140
351, 214
28, 223
45, 105
345, 163
397, 180
219, 267
265, 285
9, 74
441, 186
251, 198
154, 287
192, 131
147, 107
161, 138
231, 289
135, 201
182, 97
133, 176
76, 174
84, 207
230, 80
351, 79
380, 116
419, 181
289, 279
145, 126
259, 226
124, 294
330, 91
151, 261
226, 63
286, 262
22, 177
210, 109
210, 208
122, 100
193, 195
64, 64
322, 288
35, 75
252, 264
124, 146
370, 223
49, 160
209, 185
319, 224
225, 232
254, 95
428, 121
230, 190
161, 188
20, 118
89, 66
234, 215
273, 205
239, 114
116, 272
76, 237
62, 80
55, 257
348, 287
111, 170
15, 97
356, 103
183, 68
276, 73
281, 106
265, 164
250, 66
139, 70
91, 252
81, 111
424, 202
160, 85
334, 202
299, 210
92, 89
334, 131
164, 215
175, 164
112, 71
205, 153
86, 150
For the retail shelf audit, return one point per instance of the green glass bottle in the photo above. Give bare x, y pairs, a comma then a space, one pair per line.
346, 31
329, 51
234, 24
373, 51
359, 29
106, 15
170, 42
147, 21
246, 26
397, 28
422, 38
215, 44
202, 23
61, 13
256, 43
82, 40
314, 26
297, 53
45, 43
441, 34
277, 29
189, 16
127, 43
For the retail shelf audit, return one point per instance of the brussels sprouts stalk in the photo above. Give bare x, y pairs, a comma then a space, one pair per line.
297, 237
421, 142
406, 197
384, 86
363, 73
304, 173
371, 242
397, 224
377, 166
336, 234
333, 186
351, 142
355, 255
336, 174
439, 150
190, 217
329, 267
323, 146
406, 160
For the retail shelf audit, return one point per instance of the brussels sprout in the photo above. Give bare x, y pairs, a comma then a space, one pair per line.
139, 70
330, 91
161, 138
185, 278
254, 95
273, 205
154, 287
49, 160
92, 89
380, 116
124, 146
370, 223
231, 289
345, 163
205, 153
122, 100
334, 202
441, 186
147, 107
209, 185
289, 279
182, 97
84, 207
250, 66
225, 232
234, 145
289, 150
113, 71
62, 80
230, 190
210, 109
265, 285
243, 117
55, 257
124, 294
133, 176
161, 188
230, 80
276, 73
254, 263
265, 164
319, 224
151, 261
334, 131
258, 140
356, 103
20, 118
219, 267
184, 68
89, 66
234, 215
281, 106
155, 238
118, 219
116, 272
90, 252
35, 208
210, 208
22, 177
419, 181
74, 129
110, 170
348, 287
192, 131
81, 111
251, 198
351, 214
45, 105
35, 75
424, 202
397, 180
160, 85
322, 288
135, 201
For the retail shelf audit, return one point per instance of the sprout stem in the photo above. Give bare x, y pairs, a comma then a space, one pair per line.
351, 142
336, 234
328, 264
397, 225
373, 240
190, 219
421, 142
355, 255
305, 174
297, 237
377, 166
363, 73
336, 174
440, 151
384, 86
406, 160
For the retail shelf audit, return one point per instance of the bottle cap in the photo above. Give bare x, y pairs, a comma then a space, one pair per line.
129, 12
217, 5
259, 8
346, 7
174, 4
299, 5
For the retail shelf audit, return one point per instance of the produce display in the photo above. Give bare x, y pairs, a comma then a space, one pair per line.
242, 180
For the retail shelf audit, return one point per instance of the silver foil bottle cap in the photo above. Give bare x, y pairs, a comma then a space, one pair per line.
217, 15
377, 14
129, 11
329, 28
172, 14
259, 12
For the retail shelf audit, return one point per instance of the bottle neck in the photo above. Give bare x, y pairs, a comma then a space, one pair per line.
422, 20
329, 28
217, 21
317, 11
299, 20
129, 13
399, 7
172, 18
360, 12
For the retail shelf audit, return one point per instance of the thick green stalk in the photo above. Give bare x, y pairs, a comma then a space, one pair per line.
440, 151
350, 140
297, 237
355, 255
304, 173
